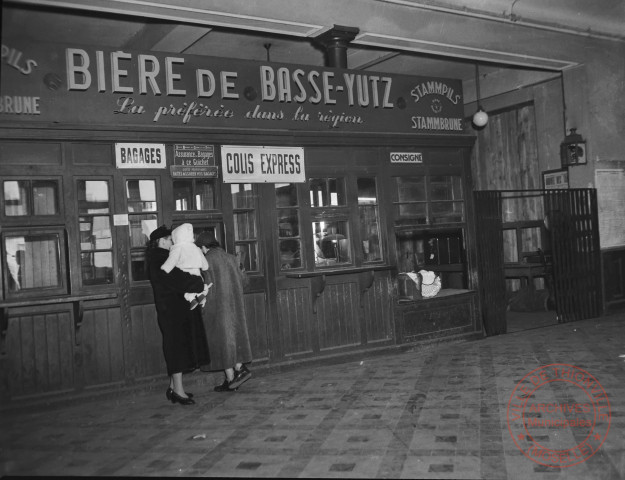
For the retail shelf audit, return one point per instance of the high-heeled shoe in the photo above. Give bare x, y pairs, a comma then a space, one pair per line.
170, 390
175, 398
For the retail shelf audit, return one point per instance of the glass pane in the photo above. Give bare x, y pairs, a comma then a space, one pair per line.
242, 195
410, 251
93, 197
205, 194
141, 196
411, 189
286, 195
290, 254
33, 261
446, 212
367, 192
288, 222
331, 242
45, 197
140, 228
325, 192
183, 195
244, 226
248, 256
417, 211
444, 249
101, 233
138, 266
510, 250
97, 267
445, 187
370, 234
16, 198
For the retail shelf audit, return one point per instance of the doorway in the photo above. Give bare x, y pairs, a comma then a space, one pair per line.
548, 260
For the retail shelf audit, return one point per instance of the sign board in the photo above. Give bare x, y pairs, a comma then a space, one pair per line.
406, 157
194, 161
140, 155
72, 84
245, 164
610, 184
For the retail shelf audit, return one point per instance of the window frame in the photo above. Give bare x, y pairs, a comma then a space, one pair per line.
30, 219
298, 207
158, 212
334, 213
218, 185
62, 288
377, 207
255, 211
111, 214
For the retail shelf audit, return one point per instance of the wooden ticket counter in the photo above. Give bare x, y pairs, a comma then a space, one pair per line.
323, 246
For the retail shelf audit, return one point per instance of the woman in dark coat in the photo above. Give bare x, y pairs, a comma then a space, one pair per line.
184, 340
224, 315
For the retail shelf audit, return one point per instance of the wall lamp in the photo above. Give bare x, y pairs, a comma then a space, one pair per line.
573, 149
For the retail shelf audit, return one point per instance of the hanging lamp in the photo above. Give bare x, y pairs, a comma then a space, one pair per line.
480, 118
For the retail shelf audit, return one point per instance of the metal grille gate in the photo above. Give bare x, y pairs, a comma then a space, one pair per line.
572, 217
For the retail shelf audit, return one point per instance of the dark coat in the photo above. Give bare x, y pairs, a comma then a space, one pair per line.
224, 313
184, 339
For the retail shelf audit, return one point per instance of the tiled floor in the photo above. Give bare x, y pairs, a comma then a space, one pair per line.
435, 413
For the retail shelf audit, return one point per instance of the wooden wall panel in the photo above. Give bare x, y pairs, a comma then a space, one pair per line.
147, 341
102, 346
377, 309
437, 317
339, 316
257, 326
506, 154
295, 319
40, 353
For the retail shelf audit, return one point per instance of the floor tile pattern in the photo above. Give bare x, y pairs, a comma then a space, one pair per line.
435, 413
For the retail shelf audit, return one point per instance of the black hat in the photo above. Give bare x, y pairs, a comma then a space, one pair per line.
206, 239
160, 232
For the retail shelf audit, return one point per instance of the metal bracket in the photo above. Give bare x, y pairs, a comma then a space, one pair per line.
317, 286
78, 317
365, 281
4, 326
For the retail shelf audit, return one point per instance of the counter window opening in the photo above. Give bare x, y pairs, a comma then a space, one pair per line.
34, 262
429, 227
33, 245
330, 222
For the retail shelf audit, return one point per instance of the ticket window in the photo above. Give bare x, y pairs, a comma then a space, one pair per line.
429, 226
33, 252
330, 222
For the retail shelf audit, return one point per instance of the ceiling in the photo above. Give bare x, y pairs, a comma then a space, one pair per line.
515, 42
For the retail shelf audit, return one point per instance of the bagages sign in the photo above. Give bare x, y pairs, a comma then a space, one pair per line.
69, 85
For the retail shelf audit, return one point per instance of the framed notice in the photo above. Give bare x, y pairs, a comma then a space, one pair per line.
553, 179
610, 184
195, 161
